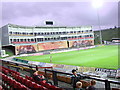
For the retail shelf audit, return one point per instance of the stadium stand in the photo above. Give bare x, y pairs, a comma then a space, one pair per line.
9, 83
21, 82
18, 80
35, 39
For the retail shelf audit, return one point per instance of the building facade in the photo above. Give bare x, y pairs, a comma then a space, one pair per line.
28, 39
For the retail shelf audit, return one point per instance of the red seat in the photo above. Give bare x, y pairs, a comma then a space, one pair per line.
12, 82
33, 83
30, 78
23, 81
10, 71
41, 82
5, 71
52, 86
19, 78
30, 85
5, 78
46, 85
9, 80
26, 82
16, 77
15, 84
26, 76
37, 86
1, 87
24, 87
18, 85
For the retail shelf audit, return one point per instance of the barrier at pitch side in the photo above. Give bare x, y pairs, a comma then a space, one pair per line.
74, 49
20, 60
92, 71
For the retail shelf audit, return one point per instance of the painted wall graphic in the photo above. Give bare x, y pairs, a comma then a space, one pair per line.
23, 49
52, 45
81, 43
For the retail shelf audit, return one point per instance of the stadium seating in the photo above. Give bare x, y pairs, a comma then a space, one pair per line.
9, 71
11, 83
18, 81
49, 86
1, 88
5, 71
41, 83
29, 82
29, 78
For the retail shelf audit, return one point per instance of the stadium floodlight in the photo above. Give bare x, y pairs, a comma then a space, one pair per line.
97, 4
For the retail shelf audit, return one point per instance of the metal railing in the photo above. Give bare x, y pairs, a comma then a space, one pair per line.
106, 81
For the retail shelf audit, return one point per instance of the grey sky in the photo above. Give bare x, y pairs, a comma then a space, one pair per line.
63, 13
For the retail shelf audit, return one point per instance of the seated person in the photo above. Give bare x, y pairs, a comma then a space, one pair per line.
79, 85
92, 85
38, 77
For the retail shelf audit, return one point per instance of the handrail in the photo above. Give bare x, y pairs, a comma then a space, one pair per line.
89, 77
107, 81
23, 64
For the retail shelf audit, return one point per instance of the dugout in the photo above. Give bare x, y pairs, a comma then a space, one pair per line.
9, 48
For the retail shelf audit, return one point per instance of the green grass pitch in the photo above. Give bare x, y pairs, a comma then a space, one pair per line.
99, 57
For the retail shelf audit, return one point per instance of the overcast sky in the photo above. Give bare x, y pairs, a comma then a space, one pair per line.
62, 13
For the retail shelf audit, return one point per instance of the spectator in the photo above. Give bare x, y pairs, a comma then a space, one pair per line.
92, 85
85, 84
75, 78
79, 86
38, 77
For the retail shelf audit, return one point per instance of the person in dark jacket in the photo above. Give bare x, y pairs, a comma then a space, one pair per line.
75, 78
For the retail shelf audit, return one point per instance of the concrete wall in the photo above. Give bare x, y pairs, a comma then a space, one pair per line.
5, 35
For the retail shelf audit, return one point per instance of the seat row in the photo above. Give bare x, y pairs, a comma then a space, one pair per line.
47, 85
7, 70
8, 82
28, 83
16, 75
